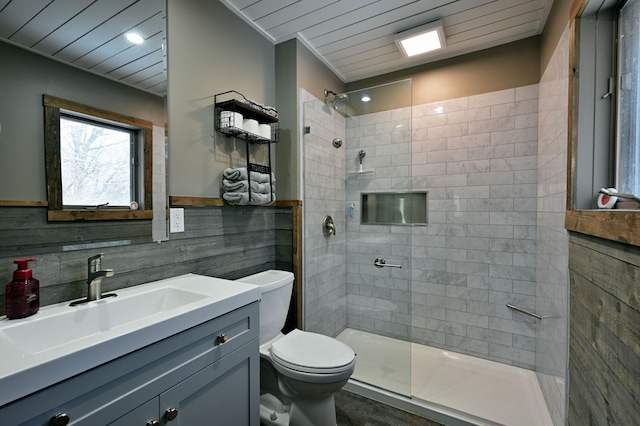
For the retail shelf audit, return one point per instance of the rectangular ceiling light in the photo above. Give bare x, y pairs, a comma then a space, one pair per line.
422, 39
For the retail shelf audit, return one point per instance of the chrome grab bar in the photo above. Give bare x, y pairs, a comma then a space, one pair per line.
381, 263
524, 311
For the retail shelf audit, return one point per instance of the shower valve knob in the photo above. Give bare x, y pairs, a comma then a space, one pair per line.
328, 227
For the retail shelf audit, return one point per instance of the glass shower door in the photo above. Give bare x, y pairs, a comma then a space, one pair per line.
370, 302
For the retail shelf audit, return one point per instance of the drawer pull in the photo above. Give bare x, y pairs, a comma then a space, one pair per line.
171, 414
153, 423
222, 338
60, 419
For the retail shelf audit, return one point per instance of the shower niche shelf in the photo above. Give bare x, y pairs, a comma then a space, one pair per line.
362, 174
393, 208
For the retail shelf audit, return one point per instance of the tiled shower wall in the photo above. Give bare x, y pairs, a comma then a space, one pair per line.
553, 240
477, 158
378, 298
324, 194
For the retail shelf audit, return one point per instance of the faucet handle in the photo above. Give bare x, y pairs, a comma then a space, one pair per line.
96, 257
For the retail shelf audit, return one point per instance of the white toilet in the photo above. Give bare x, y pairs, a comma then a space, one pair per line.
299, 371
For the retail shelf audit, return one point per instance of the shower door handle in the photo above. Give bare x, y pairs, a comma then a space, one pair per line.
381, 263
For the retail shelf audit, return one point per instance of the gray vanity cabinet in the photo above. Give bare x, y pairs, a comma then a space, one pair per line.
205, 375
216, 395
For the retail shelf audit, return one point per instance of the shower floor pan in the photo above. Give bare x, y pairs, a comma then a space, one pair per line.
449, 387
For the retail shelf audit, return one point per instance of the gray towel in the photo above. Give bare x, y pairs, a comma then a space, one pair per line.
243, 186
240, 173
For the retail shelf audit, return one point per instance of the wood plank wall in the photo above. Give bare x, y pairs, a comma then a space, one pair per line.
604, 343
227, 242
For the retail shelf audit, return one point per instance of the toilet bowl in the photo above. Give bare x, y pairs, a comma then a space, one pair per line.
299, 371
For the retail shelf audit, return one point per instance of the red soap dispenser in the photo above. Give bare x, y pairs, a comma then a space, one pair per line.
23, 293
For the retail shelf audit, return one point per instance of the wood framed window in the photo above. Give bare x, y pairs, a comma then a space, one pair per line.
102, 159
618, 225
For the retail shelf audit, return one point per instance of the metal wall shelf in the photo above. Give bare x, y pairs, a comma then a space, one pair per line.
225, 119
225, 115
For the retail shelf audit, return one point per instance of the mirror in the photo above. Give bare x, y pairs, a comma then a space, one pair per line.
93, 35
76, 50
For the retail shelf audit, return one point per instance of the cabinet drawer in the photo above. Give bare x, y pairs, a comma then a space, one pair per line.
103, 394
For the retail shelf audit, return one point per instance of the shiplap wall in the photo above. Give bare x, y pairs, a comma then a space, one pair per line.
604, 343
226, 242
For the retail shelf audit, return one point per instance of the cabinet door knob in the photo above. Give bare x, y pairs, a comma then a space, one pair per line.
153, 423
60, 419
171, 414
222, 338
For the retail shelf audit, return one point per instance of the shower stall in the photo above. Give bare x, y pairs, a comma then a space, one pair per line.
433, 212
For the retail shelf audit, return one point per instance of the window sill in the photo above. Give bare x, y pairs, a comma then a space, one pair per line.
76, 215
617, 225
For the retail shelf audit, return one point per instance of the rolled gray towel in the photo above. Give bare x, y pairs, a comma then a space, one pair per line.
240, 173
243, 186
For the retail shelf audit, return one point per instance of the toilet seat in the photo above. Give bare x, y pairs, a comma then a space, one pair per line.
312, 353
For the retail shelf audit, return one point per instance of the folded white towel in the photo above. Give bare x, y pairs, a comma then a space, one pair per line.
243, 186
240, 173
242, 198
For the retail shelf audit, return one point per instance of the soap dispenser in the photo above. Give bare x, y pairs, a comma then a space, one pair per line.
23, 293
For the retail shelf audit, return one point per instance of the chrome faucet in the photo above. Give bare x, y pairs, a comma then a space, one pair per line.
94, 277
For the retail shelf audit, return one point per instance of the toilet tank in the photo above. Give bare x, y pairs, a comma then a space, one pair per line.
276, 289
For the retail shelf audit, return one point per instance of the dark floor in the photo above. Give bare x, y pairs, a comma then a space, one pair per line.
355, 410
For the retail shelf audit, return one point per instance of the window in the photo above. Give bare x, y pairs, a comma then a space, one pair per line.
98, 162
628, 115
603, 117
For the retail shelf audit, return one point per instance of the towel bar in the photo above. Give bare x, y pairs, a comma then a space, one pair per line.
524, 311
381, 263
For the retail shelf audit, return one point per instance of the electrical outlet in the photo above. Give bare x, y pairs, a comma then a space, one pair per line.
176, 220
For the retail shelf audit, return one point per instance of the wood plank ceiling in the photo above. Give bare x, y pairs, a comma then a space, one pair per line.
355, 38
89, 34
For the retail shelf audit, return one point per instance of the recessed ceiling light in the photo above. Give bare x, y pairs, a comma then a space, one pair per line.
134, 38
422, 39
365, 98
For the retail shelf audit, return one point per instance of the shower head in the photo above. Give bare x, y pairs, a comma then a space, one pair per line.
338, 100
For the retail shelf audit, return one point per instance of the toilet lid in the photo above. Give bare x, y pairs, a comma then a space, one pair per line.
312, 352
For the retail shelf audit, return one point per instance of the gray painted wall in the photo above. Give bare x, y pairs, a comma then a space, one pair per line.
210, 50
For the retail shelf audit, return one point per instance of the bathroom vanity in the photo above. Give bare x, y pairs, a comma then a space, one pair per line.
205, 373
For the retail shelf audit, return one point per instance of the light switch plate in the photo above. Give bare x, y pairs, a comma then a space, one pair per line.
176, 220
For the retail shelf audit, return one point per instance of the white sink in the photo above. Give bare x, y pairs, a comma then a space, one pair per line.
64, 326
61, 340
